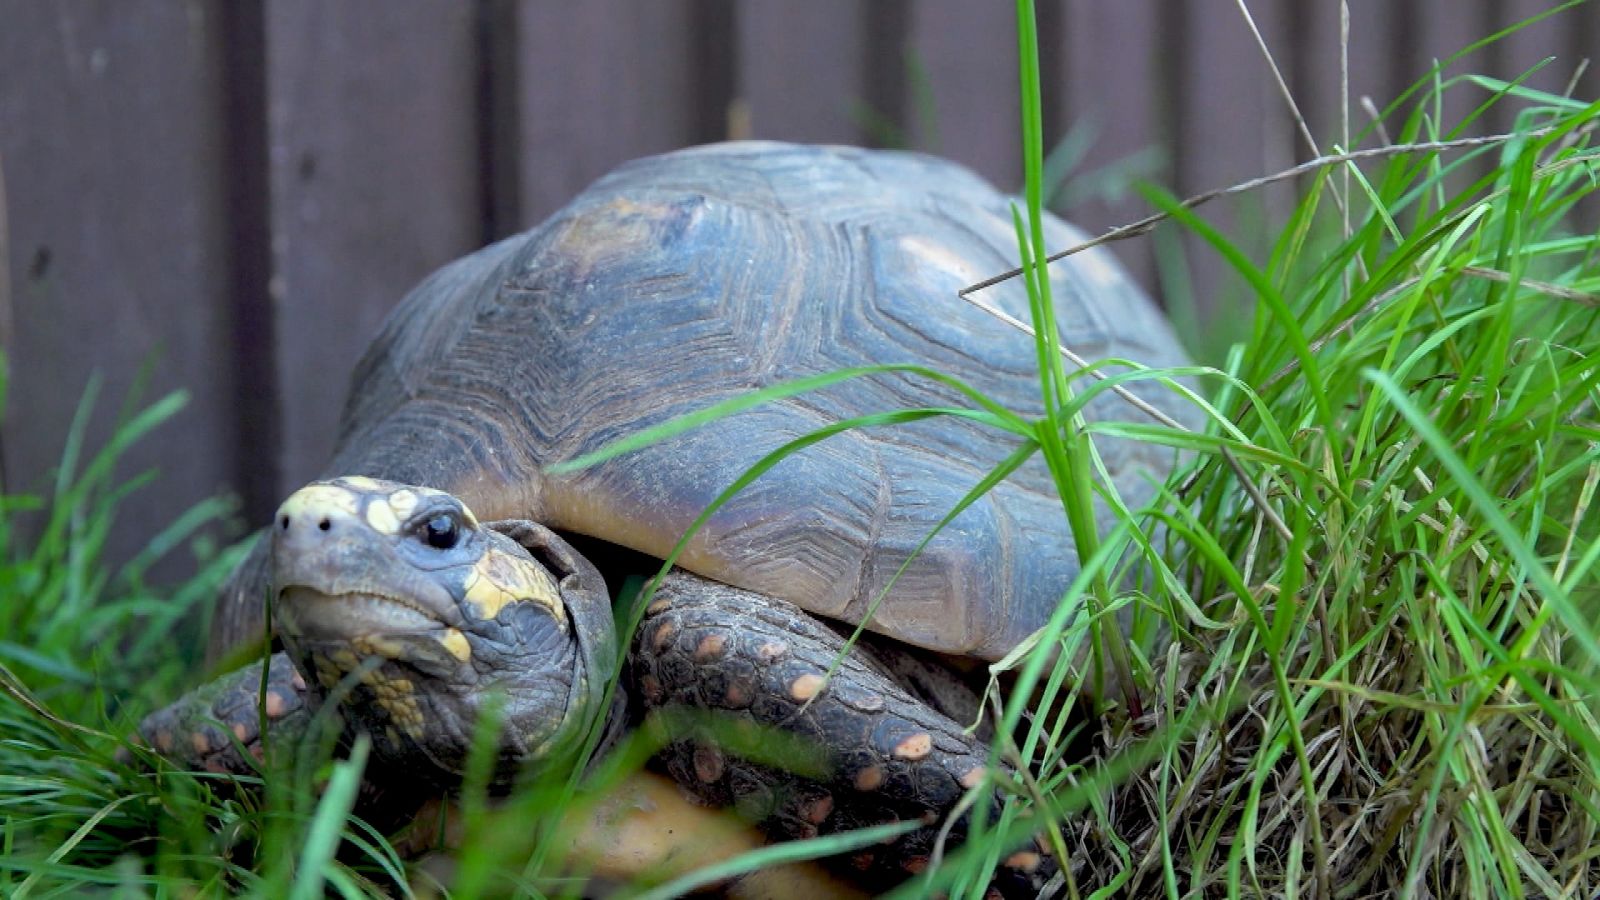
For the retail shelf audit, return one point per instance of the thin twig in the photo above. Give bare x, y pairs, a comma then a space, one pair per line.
1148, 223
1577, 75
1283, 88
1277, 77
1376, 115
1560, 292
14, 688
1344, 114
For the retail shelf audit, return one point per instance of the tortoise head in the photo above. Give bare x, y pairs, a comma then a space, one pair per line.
423, 614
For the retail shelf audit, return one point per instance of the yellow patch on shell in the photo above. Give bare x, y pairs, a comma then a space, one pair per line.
499, 580
456, 644
1025, 860
869, 778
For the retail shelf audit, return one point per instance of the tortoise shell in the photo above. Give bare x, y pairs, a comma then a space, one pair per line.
681, 280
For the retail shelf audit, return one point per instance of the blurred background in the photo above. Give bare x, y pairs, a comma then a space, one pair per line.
227, 197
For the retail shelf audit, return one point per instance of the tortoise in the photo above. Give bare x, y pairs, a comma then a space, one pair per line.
437, 559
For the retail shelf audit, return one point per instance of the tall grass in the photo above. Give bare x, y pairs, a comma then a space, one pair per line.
1377, 573
1386, 620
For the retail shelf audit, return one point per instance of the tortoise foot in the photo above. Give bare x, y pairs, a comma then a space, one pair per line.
728, 668
217, 727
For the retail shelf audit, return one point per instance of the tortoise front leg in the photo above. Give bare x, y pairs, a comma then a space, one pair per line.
877, 753
206, 728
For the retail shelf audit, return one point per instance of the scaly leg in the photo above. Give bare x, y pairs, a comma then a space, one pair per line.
876, 753
198, 731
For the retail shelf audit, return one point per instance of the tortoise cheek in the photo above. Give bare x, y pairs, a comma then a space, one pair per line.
499, 580
455, 643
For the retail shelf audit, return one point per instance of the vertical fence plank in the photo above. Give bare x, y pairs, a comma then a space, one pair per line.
602, 82
962, 86
801, 69
1447, 27
1382, 34
1111, 97
1231, 124
1528, 46
246, 197
5, 300
113, 169
1582, 44
374, 183
1567, 37
1378, 57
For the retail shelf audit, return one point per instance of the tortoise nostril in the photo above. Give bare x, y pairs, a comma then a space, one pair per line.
284, 523
324, 525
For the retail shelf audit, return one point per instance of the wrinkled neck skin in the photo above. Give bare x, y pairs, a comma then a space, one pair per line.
480, 462
531, 678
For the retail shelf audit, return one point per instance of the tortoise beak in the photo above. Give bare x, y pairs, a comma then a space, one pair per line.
315, 616
323, 626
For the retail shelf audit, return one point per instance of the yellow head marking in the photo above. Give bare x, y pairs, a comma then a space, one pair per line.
403, 503
327, 674
362, 483
320, 499
498, 581
456, 643
380, 515
378, 645
396, 695
398, 698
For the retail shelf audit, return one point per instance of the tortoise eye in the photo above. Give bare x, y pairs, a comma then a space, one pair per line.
442, 532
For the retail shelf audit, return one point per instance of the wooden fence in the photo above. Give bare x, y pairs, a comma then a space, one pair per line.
236, 192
